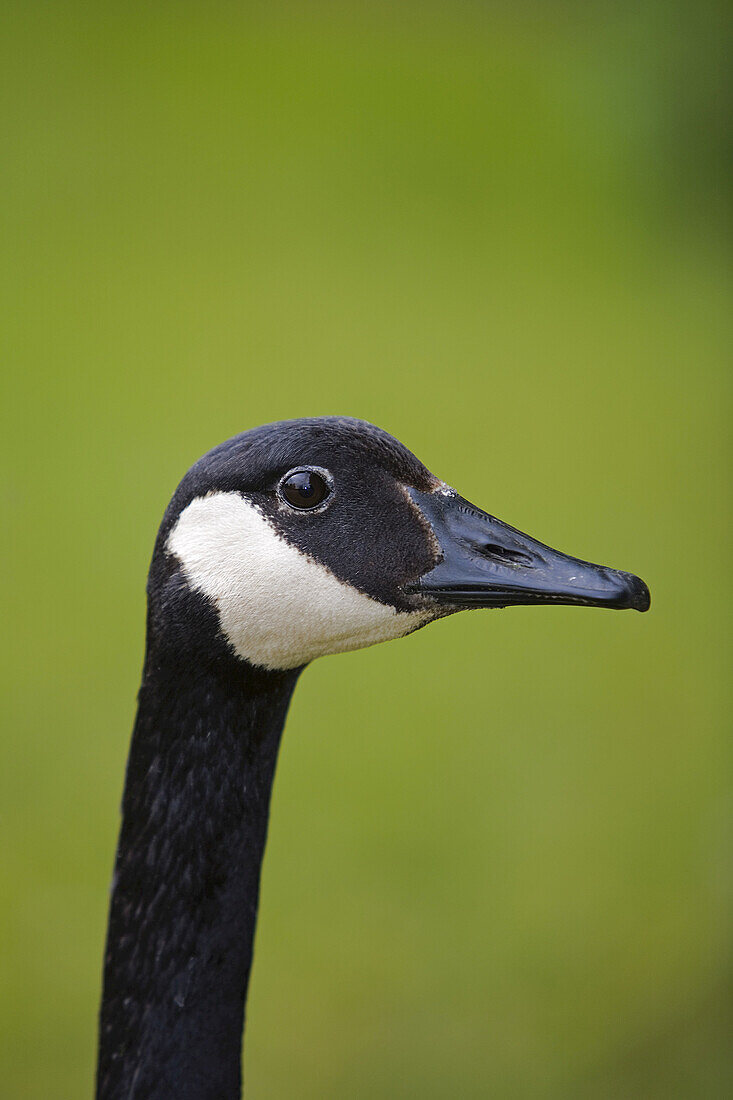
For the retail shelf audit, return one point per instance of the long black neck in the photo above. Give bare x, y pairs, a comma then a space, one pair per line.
186, 883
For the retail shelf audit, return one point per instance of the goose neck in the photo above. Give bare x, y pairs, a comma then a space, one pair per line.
186, 881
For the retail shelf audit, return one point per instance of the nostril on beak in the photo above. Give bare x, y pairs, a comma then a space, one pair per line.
504, 554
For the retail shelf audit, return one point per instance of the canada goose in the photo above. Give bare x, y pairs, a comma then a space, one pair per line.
288, 542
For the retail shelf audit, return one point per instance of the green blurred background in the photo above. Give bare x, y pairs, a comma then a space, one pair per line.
499, 861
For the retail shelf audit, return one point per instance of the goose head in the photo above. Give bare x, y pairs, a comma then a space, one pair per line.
316, 536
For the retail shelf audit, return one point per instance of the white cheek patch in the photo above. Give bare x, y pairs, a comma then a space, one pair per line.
277, 607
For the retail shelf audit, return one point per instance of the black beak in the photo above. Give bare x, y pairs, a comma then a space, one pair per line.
487, 563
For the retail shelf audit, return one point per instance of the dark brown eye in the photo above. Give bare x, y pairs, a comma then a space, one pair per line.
305, 489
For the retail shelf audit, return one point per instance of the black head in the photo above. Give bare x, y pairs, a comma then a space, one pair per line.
314, 536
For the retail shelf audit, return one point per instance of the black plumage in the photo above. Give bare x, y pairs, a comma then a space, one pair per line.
208, 728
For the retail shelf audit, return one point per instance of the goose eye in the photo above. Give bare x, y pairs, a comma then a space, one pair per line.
304, 489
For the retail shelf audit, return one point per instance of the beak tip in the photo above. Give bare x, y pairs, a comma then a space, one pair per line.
639, 596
